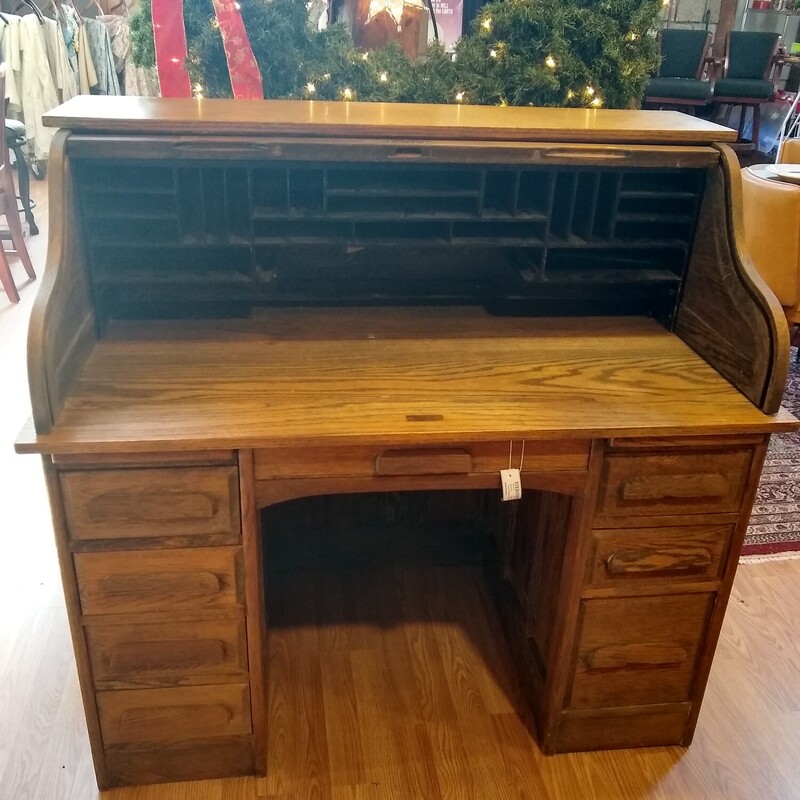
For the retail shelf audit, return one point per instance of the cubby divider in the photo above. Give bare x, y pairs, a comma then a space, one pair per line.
554, 238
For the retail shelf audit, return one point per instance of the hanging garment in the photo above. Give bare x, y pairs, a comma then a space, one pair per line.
119, 31
37, 92
70, 25
103, 58
87, 77
64, 77
9, 55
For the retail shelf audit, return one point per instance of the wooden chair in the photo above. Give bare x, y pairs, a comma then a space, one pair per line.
8, 208
750, 57
679, 81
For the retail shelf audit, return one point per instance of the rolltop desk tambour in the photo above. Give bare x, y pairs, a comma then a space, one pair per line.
246, 303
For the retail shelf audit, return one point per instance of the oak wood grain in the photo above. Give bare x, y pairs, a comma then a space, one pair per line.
173, 715
255, 605
151, 115
207, 457
126, 504
638, 559
729, 571
535, 562
72, 597
738, 326
638, 651
442, 461
674, 483
323, 462
480, 378
177, 762
160, 580
270, 492
62, 323
141, 653
92, 147
566, 622
652, 725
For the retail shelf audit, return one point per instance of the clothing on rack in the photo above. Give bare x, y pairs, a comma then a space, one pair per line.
8, 41
102, 56
34, 92
51, 61
86, 73
119, 31
70, 24
64, 76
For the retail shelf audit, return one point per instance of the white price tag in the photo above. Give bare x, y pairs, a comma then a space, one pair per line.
512, 484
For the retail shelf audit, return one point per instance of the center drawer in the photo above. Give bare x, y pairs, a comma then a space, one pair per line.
198, 578
385, 461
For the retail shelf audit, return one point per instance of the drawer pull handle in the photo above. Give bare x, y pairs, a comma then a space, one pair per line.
188, 585
594, 154
155, 507
423, 462
667, 487
408, 153
226, 148
650, 561
215, 719
132, 657
636, 655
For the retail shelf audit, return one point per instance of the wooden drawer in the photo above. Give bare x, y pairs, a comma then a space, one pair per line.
651, 555
379, 460
168, 652
160, 580
639, 651
681, 483
131, 503
167, 715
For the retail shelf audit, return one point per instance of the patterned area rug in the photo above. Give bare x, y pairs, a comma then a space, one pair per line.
774, 531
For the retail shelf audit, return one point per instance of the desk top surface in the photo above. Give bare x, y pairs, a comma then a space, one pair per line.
382, 120
397, 376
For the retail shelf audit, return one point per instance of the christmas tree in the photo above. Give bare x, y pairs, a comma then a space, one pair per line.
581, 53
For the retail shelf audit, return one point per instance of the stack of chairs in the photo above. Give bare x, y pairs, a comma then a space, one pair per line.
690, 78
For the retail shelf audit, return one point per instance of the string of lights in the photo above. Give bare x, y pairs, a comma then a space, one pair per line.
581, 53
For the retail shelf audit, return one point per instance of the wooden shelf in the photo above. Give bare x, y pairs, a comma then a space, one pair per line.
255, 214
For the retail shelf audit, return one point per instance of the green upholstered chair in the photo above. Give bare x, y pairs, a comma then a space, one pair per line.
750, 58
679, 81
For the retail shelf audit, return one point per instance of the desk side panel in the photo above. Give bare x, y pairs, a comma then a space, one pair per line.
62, 326
727, 313
69, 581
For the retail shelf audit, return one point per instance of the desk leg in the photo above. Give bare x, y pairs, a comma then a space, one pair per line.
256, 609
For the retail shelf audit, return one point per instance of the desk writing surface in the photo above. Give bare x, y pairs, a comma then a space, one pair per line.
289, 377
388, 120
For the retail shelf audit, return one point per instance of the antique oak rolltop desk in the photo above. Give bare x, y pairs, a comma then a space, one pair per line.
247, 303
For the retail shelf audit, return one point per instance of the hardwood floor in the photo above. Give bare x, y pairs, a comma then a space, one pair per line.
408, 698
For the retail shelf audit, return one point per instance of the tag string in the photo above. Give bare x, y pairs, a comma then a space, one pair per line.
521, 455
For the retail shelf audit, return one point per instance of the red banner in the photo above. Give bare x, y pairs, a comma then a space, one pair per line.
242, 66
170, 40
